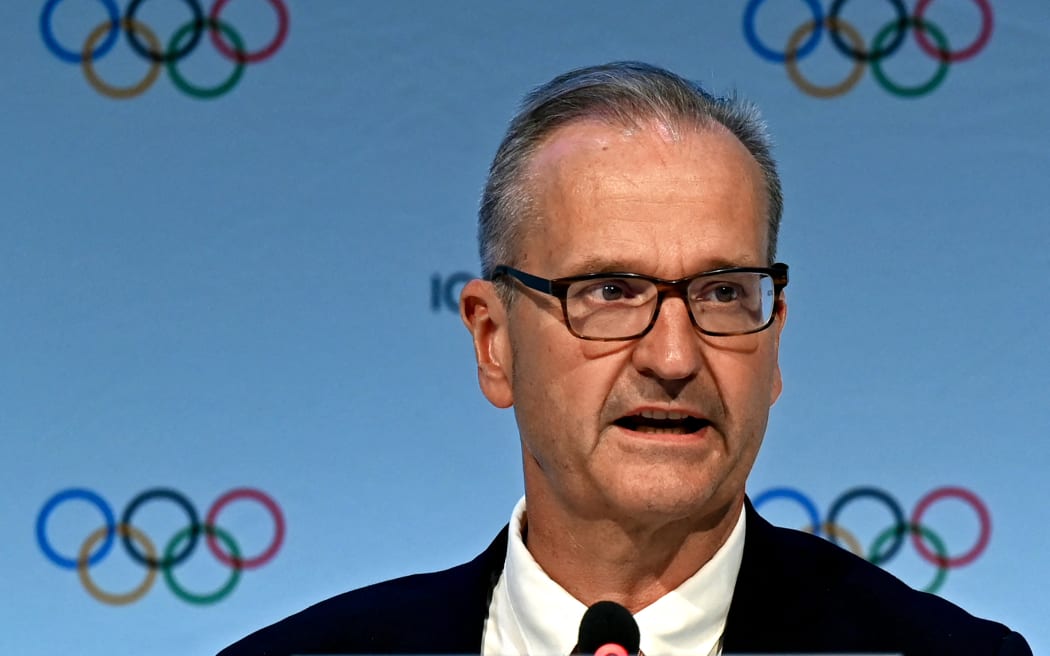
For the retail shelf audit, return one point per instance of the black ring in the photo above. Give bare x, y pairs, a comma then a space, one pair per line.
846, 49
180, 500
165, 57
901, 527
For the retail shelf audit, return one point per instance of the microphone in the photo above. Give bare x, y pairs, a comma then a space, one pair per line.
608, 629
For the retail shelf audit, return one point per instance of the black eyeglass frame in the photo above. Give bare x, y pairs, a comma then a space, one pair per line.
559, 288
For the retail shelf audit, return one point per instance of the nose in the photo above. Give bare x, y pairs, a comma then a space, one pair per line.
670, 351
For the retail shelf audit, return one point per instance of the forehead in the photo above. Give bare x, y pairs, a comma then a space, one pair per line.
644, 198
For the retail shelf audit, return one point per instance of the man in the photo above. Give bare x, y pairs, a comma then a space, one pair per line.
630, 311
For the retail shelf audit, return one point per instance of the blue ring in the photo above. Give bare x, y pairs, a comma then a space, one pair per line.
76, 57
879, 495
180, 500
772, 55
877, 54
793, 494
168, 56
52, 503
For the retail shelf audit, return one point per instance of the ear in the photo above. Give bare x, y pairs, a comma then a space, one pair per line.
778, 326
485, 317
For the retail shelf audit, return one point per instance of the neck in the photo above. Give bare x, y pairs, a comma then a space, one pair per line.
631, 564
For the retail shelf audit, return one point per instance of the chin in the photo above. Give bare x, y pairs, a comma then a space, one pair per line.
670, 500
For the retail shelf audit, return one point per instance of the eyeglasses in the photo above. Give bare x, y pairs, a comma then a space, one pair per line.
622, 306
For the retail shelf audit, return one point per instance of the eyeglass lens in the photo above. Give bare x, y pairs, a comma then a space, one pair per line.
728, 303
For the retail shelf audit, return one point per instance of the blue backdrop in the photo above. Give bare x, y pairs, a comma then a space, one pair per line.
241, 279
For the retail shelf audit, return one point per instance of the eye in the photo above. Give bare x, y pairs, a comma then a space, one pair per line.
725, 293
612, 291
721, 291
608, 291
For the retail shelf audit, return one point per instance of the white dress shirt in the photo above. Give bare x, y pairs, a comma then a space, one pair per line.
531, 615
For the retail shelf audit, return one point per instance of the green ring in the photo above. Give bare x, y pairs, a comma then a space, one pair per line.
183, 593
942, 552
201, 92
929, 85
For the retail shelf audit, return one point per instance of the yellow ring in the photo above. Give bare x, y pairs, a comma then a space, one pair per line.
120, 93
102, 595
791, 59
839, 533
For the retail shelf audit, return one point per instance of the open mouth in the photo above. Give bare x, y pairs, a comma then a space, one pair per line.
657, 422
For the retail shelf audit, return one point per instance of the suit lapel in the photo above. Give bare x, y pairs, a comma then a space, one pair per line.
759, 620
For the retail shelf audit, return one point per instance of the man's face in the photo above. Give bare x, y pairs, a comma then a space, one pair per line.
608, 199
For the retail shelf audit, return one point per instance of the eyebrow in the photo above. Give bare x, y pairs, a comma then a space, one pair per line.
597, 264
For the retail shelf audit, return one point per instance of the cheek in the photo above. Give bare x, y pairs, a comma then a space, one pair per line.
562, 366
747, 379
583, 377
561, 388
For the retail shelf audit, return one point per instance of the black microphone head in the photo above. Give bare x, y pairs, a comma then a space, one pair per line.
608, 622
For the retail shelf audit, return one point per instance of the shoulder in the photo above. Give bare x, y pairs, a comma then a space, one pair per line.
436, 612
815, 596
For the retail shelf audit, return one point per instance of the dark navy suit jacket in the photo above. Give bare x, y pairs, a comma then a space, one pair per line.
795, 593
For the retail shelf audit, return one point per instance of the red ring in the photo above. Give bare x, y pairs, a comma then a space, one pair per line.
278, 533
958, 55
259, 55
982, 515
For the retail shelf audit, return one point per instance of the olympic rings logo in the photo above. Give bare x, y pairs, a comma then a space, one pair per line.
141, 549
144, 42
888, 543
848, 41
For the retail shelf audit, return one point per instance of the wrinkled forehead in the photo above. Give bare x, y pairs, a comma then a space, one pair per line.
619, 182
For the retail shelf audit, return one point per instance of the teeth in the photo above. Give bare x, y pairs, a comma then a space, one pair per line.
659, 431
663, 414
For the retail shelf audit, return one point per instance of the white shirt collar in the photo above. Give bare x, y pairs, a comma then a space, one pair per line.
531, 615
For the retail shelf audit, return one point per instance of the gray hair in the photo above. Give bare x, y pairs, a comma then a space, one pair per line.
620, 93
